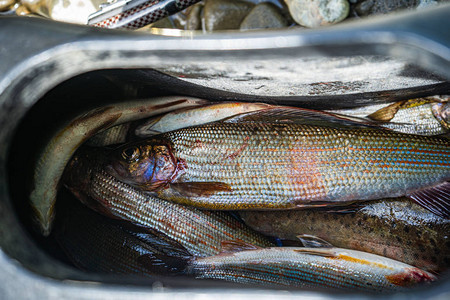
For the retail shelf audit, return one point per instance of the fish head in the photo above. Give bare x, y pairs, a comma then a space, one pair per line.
147, 165
441, 112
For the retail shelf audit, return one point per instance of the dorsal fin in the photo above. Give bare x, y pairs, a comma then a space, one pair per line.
237, 246
294, 115
311, 241
436, 199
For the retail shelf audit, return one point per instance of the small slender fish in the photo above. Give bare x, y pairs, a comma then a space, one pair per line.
200, 232
284, 158
394, 228
189, 117
312, 268
58, 151
95, 243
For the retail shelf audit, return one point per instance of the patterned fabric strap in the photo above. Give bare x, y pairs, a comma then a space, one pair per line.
146, 13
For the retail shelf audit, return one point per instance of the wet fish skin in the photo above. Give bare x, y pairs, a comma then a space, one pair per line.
423, 116
279, 159
188, 117
95, 243
425, 119
57, 153
323, 268
394, 228
200, 232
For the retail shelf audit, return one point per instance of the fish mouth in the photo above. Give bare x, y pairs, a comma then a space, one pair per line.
119, 171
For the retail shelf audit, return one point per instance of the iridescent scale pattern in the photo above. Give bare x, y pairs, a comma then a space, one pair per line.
285, 267
200, 232
288, 165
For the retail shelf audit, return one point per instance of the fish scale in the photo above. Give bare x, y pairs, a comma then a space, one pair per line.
331, 268
312, 163
200, 232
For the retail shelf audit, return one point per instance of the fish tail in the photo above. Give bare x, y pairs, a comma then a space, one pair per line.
436, 199
165, 264
410, 277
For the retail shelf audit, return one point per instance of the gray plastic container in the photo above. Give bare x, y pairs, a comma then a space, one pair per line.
49, 71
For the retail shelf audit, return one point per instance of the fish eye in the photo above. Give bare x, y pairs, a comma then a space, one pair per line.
131, 153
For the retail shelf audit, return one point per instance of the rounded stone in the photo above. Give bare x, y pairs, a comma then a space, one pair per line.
193, 19
427, 3
22, 11
225, 14
39, 7
264, 15
72, 11
6, 4
315, 13
363, 8
381, 7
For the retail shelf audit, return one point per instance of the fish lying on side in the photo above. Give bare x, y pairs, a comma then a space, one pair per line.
99, 244
314, 268
283, 157
200, 232
193, 116
394, 228
423, 116
180, 118
56, 154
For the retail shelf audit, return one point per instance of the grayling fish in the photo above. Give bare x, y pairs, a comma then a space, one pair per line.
394, 228
323, 268
284, 157
423, 116
200, 232
54, 157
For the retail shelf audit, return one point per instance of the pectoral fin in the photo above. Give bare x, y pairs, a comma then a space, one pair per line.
436, 199
327, 252
200, 189
237, 246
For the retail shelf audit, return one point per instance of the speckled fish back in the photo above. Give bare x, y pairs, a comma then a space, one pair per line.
200, 232
271, 165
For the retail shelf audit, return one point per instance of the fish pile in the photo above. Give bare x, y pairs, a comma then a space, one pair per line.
223, 189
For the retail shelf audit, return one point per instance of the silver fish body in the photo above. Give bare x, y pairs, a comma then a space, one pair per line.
200, 232
313, 268
394, 228
56, 154
423, 116
284, 158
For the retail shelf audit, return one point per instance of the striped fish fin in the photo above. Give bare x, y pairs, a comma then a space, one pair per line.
386, 113
294, 115
200, 189
436, 199
325, 252
237, 246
